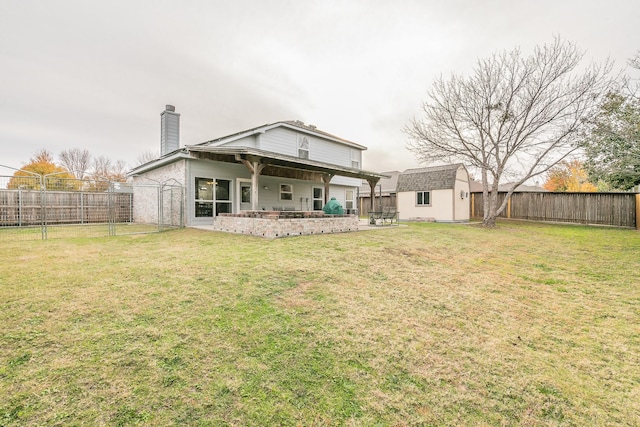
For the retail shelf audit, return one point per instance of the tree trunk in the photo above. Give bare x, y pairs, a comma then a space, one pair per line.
489, 221
490, 215
489, 201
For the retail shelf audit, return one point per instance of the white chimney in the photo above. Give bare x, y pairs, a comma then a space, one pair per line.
169, 130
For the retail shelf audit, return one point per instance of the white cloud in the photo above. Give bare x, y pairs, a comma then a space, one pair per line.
96, 75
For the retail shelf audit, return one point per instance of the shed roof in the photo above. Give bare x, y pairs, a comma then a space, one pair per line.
430, 178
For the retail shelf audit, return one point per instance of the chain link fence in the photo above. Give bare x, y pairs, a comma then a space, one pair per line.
34, 207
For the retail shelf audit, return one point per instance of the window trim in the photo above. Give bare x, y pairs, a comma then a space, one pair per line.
315, 199
281, 192
422, 193
302, 139
355, 159
201, 207
349, 203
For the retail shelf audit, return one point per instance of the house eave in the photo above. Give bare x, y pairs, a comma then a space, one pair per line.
168, 158
277, 160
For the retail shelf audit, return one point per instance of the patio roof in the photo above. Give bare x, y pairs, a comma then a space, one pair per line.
280, 165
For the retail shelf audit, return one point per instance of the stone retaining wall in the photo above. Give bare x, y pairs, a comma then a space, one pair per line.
275, 224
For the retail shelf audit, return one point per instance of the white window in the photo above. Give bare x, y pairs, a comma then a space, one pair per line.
212, 197
348, 199
204, 197
223, 196
303, 146
318, 198
286, 192
355, 159
423, 198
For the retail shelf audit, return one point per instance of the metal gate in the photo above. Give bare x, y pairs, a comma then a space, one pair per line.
34, 207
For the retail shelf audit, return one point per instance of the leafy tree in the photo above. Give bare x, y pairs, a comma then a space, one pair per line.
613, 145
569, 176
516, 116
42, 164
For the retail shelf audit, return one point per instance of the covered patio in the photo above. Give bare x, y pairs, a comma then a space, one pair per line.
271, 223
266, 163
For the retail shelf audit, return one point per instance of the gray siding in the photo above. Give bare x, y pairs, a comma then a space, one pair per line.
345, 181
280, 140
248, 141
330, 152
285, 141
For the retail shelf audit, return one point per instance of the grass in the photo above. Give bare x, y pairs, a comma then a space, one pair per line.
34, 232
428, 324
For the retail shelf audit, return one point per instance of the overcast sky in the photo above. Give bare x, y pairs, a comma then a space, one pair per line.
97, 74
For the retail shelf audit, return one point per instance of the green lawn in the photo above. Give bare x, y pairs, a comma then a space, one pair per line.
34, 232
428, 324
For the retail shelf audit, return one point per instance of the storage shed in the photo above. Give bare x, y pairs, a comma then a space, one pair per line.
437, 193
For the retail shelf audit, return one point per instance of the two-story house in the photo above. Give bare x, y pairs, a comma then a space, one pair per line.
279, 166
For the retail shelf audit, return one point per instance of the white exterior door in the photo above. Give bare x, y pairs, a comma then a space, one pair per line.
244, 194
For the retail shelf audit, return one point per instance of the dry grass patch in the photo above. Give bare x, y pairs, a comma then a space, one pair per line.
423, 325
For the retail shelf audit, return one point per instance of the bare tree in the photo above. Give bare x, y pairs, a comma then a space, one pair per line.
635, 61
76, 160
516, 116
146, 157
633, 84
105, 170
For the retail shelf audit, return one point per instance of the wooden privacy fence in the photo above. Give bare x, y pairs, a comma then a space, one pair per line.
616, 209
34, 207
364, 203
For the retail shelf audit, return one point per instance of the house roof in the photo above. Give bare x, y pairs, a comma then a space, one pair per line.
217, 150
427, 179
296, 125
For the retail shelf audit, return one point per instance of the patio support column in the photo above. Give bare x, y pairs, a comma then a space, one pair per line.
372, 185
326, 179
255, 168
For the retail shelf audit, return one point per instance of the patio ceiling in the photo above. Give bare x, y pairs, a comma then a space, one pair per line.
280, 165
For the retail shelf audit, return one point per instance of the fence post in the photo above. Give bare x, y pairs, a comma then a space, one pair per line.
509, 207
638, 211
20, 206
43, 204
473, 205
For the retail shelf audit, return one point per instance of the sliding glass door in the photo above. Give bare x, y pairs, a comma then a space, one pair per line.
210, 193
